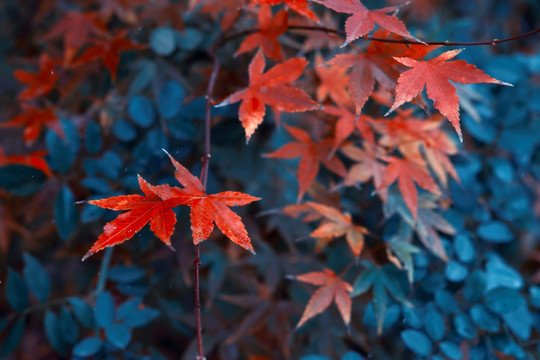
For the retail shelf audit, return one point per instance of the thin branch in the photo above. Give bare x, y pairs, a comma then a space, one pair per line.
103, 270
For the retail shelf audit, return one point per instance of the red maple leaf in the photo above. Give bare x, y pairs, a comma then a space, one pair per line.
163, 12
312, 155
367, 167
38, 84
214, 208
109, 52
299, 6
333, 289
362, 20
228, 9
271, 27
406, 172
123, 9
434, 74
142, 210
346, 124
156, 207
34, 159
76, 28
333, 83
34, 119
270, 88
377, 63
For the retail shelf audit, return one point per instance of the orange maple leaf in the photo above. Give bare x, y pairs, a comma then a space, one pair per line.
271, 27
38, 84
333, 82
76, 28
270, 88
405, 172
362, 20
109, 52
312, 155
34, 119
207, 209
338, 224
299, 6
367, 167
434, 74
333, 289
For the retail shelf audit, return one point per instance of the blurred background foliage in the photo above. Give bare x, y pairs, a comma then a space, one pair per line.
136, 301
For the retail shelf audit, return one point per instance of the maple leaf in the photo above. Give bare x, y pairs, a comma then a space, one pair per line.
377, 63
109, 52
333, 82
229, 9
316, 40
406, 173
271, 27
163, 12
142, 209
123, 9
434, 74
76, 28
270, 88
333, 289
38, 84
299, 6
367, 167
214, 208
34, 159
33, 119
362, 20
338, 224
346, 124
312, 154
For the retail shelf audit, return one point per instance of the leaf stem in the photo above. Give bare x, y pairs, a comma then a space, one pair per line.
103, 270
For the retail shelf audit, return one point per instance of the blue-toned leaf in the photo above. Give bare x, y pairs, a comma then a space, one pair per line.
480, 130
464, 326
502, 169
190, 38
66, 215
446, 302
494, 231
417, 341
519, 321
170, 99
433, 282
12, 339
484, 318
163, 41
124, 131
127, 308
111, 165
52, 330
69, 329
156, 141
83, 311
93, 139
501, 274
502, 300
96, 184
21, 180
118, 335
87, 347
534, 292
352, 355
125, 274
395, 282
36, 278
464, 248
62, 151
414, 316
364, 281
380, 302
455, 271
141, 317
390, 316
104, 310
16, 291
434, 325
475, 286
141, 111
451, 350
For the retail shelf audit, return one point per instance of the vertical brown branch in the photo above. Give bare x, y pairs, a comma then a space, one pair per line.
204, 180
